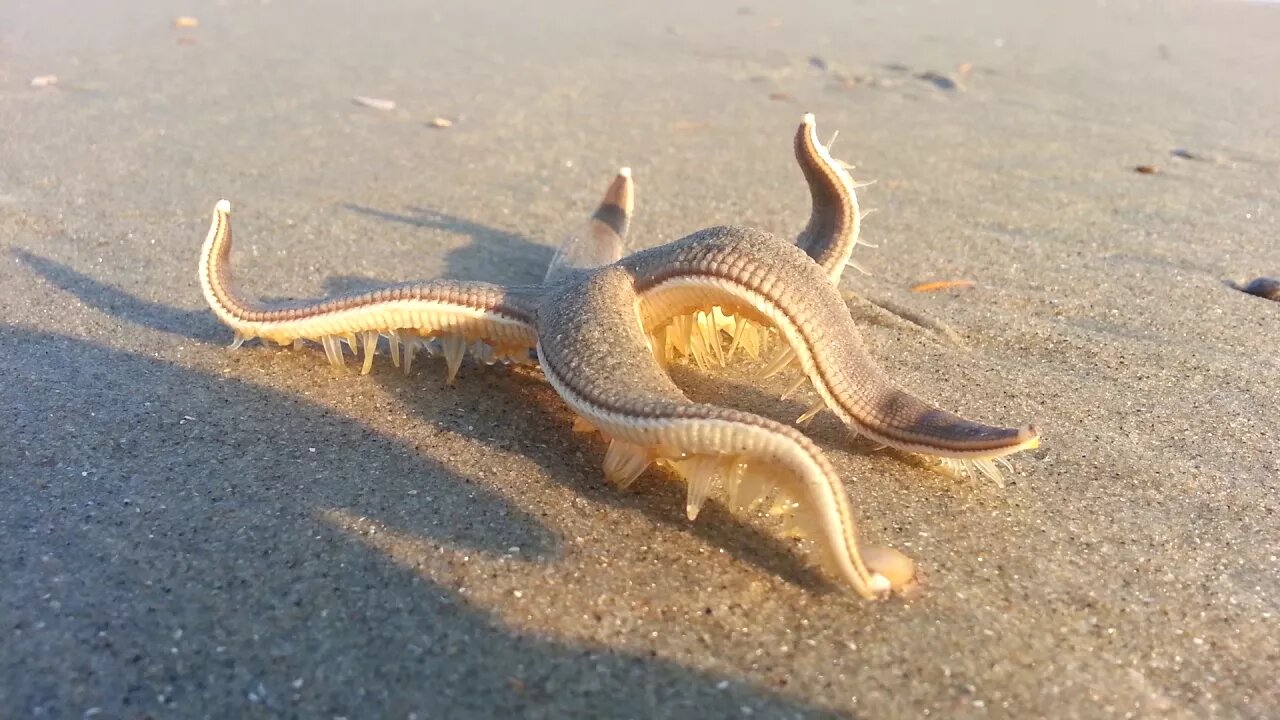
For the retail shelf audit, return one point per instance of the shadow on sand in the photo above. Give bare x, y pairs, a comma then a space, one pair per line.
168, 553
493, 255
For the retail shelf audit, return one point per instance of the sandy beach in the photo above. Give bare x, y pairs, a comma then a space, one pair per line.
189, 532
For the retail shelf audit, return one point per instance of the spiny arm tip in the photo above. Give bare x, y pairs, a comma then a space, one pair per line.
223, 206
808, 119
880, 584
624, 172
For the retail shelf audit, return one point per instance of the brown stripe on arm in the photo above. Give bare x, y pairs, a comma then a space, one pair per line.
605, 234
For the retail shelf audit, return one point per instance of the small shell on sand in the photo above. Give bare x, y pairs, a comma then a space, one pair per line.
375, 103
942, 285
441, 122
44, 81
1264, 287
186, 22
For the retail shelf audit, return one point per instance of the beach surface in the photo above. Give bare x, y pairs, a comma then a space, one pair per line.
191, 532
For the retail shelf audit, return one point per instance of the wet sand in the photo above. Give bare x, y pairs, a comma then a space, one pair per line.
191, 532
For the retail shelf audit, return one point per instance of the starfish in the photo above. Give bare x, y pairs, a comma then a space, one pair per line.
604, 328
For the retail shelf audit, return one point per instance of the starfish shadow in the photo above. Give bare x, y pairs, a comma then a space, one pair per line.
494, 255
198, 325
168, 551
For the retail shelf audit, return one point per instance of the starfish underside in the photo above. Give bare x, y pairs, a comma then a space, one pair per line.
604, 328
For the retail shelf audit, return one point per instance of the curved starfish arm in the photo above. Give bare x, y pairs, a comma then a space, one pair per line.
834, 221
441, 315
595, 353
754, 275
606, 231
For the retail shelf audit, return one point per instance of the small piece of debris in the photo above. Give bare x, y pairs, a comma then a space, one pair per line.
937, 285
186, 22
441, 122
938, 80
1146, 169
817, 62
44, 81
1264, 287
1186, 154
782, 97
845, 81
905, 314
964, 68
375, 103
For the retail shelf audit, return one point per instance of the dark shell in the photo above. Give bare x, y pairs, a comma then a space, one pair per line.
1264, 287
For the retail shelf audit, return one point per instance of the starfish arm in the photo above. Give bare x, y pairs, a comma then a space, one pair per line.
832, 231
754, 275
458, 314
606, 231
594, 351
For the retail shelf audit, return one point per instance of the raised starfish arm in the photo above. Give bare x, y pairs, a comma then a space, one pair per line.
834, 220
829, 238
441, 315
761, 279
596, 354
606, 232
